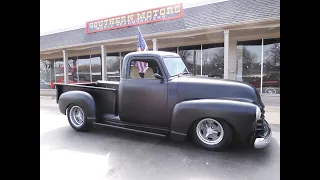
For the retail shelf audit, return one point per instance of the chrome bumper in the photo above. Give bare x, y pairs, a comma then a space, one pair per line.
262, 142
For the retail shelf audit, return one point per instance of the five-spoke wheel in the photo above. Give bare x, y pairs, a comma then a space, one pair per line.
77, 118
210, 131
212, 134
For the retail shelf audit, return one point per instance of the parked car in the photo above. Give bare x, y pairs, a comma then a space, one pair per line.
169, 101
44, 85
271, 82
61, 81
218, 76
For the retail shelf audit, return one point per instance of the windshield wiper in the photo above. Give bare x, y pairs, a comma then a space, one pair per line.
184, 73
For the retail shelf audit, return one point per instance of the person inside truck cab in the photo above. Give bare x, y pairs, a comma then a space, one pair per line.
143, 69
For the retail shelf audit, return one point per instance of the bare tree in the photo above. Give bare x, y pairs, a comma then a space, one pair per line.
45, 69
272, 56
205, 62
216, 62
114, 64
247, 57
84, 68
185, 54
249, 61
218, 58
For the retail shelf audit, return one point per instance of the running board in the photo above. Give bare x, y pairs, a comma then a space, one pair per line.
127, 129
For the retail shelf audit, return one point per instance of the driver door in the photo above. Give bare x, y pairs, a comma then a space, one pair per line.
144, 99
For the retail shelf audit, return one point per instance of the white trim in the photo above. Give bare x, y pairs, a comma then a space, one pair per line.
201, 60
154, 44
77, 71
261, 64
65, 68
226, 54
90, 69
103, 63
120, 63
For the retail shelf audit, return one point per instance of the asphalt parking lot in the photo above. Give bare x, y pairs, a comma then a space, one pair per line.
108, 153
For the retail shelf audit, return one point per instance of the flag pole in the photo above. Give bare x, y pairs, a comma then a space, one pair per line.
77, 71
138, 36
143, 38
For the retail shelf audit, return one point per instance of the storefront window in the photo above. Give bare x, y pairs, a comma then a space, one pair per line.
58, 72
46, 73
84, 69
72, 65
113, 66
213, 60
271, 66
191, 57
249, 62
123, 54
96, 67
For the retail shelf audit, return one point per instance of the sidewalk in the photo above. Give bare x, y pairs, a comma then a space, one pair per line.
271, 100
272, 112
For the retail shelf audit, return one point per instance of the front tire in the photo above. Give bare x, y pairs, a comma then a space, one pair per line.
77, 118
212, 134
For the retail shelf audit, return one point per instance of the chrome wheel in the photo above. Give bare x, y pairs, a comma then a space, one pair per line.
209, 131
76, 116
270, 91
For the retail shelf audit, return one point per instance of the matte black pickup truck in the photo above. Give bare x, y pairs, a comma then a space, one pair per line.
165, 99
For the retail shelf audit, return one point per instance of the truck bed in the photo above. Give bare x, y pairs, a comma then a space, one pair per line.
104, 93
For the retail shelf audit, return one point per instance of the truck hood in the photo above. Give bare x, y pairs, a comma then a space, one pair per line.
195, 87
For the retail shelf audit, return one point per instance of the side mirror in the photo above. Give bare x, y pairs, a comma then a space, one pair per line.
158, 76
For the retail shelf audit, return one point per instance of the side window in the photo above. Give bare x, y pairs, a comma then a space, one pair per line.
143, 69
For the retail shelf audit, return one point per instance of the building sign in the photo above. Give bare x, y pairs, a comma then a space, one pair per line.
133, 19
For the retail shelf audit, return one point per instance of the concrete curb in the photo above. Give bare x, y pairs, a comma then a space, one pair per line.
47, 97
47, 92
270, 95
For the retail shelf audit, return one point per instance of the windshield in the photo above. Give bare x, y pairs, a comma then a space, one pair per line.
175, 66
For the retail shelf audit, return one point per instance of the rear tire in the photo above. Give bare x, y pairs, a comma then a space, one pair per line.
212, 134
77, 118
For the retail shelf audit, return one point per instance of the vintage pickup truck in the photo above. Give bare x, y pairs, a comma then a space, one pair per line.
165, 99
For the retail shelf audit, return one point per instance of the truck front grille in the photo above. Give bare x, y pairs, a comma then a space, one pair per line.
259, 127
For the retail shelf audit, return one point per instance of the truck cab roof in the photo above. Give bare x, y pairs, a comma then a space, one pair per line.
159, 54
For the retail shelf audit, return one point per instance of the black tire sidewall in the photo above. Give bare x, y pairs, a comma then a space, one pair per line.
85, 126
223, 144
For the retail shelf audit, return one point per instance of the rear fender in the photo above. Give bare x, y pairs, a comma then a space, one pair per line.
240, 115
80, 98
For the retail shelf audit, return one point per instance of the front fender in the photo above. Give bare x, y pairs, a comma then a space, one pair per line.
240, 115
80, 98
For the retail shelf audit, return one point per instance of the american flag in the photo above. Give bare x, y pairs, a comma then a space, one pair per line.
141, 66
141, 46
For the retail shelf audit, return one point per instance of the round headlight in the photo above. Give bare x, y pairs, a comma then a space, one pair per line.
258, 113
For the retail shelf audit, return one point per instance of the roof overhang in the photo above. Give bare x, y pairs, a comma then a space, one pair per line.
252, 24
